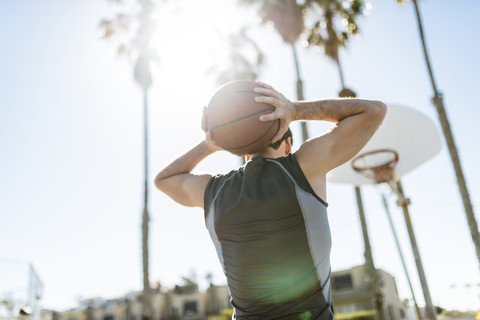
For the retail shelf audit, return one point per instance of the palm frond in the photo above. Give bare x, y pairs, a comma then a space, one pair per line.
327, 31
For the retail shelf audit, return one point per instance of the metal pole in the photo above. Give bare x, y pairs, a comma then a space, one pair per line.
377, 296
404, 202
394, 232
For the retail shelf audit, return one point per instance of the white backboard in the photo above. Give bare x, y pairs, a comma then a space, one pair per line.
409, 132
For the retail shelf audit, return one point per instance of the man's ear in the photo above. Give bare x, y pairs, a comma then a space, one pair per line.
288, 146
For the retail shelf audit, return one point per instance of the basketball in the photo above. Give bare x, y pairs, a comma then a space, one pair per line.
232, 117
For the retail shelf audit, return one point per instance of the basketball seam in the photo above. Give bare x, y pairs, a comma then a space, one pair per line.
251, 143
239, 119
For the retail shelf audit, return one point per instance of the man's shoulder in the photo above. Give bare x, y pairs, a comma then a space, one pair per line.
289, 162
227, 175
294, 167
222, 181
219, 179
253, 167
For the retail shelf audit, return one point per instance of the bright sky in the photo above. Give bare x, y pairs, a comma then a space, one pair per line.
71, 145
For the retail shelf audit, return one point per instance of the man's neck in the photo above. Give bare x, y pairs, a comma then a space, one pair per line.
269, 153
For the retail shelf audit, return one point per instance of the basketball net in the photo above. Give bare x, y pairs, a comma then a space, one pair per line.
379, 166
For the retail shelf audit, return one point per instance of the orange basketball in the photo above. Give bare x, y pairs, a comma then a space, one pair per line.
233, 119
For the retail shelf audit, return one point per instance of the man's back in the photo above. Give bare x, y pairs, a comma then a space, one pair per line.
272, 237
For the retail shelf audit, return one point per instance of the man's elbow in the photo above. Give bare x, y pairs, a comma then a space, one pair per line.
382, 107
160, 182
380, 110
169, 184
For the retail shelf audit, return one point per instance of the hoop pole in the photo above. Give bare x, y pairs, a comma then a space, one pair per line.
400, 253
404, 202
400, 195
377, 296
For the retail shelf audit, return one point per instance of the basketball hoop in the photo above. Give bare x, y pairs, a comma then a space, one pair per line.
378, 165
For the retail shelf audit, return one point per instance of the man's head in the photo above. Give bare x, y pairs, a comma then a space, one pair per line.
281, 148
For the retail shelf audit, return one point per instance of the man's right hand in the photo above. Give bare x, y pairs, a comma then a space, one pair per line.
285, 110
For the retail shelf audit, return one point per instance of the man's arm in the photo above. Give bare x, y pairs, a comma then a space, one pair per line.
356, 122
177, 181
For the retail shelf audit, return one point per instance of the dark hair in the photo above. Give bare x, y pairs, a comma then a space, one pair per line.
277, 144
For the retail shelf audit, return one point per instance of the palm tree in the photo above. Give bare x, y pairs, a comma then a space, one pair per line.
324, 33
141, 46
447, 132
143, 78
287, 18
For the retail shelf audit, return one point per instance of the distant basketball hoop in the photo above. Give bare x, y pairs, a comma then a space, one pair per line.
377, 165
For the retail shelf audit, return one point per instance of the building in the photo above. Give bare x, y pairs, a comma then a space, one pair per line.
179, 303
351, 292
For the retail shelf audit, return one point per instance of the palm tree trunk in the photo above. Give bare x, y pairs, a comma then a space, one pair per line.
452, 148
340, 72
299, 90
374, 281
146, 297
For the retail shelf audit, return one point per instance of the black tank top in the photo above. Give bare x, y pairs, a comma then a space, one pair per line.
273, 240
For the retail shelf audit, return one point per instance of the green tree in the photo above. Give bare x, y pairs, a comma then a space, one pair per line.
328, 34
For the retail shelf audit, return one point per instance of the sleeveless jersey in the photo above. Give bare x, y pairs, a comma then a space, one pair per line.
272, 237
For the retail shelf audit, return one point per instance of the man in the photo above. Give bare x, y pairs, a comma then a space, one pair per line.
268, 219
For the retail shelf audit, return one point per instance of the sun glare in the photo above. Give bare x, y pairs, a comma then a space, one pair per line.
192, 37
